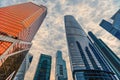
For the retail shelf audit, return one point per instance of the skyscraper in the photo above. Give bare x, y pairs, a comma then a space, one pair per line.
18, 25
60, 71
24, 67
43, 68
113, 28
109, 55
86, 60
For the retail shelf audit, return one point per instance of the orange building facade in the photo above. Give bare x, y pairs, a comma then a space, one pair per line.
18, 26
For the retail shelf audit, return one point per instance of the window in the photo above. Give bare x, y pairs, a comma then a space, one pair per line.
61, 69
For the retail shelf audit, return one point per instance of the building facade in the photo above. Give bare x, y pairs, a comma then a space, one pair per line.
113, 28
86, 61
18, 25
109, 55
43, 68
24, 67
60, 71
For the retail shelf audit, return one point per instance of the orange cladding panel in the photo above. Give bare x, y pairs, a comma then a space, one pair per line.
4, 46
13, 19
21, 10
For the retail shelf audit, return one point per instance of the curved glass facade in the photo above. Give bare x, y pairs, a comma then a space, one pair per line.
86, 60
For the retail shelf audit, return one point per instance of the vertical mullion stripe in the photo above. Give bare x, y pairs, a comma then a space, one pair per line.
83, 56
91, 58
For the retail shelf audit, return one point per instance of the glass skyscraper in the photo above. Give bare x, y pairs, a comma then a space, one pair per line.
87, 62
60, 68
18, 26
113, 28
109, 55
43, 68
23, 68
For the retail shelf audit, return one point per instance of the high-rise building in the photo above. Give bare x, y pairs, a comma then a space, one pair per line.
60, 71
87, 62
24, 67
109, 55
43, 68
113, 28
18, 25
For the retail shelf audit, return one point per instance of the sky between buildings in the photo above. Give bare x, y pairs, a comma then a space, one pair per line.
51, 35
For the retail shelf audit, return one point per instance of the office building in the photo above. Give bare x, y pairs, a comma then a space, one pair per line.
18, 26
24, 67
60, 71
109, 55
87, 62
43, 68
113, 28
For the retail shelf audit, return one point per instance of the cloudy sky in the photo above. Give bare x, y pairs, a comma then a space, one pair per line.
51, 35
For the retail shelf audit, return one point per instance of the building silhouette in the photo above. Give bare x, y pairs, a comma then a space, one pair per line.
87, 62
43, 68
18, 25
113, 28
60, 71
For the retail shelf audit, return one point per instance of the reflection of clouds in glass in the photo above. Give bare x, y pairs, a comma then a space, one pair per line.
51, 35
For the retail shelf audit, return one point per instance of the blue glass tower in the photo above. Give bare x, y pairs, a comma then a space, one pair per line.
86, 60
43, 68
113, 28
60, 71
109, 55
